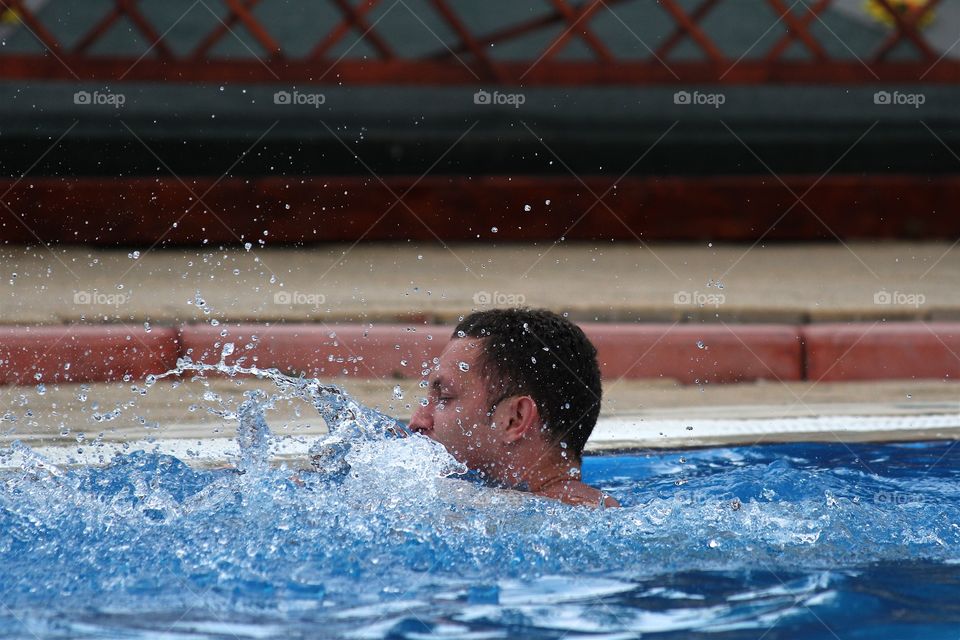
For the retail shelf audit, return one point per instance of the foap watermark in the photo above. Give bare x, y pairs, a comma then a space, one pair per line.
299, 298
99, 98
482, 298
899, 299
90, 298
297, 98
697, 98
698, 299
512, 99
896, 98
898, 497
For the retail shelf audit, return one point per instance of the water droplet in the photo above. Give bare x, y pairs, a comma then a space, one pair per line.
527, 208
147, 327
700, 345
463, 366
494, 229
398, 393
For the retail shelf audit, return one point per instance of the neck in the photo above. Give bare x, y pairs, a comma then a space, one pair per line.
548, 473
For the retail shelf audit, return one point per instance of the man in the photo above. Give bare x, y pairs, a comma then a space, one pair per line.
514, 397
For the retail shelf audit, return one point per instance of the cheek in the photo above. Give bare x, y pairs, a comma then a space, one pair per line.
464, 422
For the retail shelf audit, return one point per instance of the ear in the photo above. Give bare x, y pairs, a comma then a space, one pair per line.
519, 417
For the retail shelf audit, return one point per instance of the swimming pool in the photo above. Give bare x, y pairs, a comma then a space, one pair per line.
815, 540
390, 538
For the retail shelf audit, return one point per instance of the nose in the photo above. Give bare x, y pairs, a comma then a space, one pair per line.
422, 420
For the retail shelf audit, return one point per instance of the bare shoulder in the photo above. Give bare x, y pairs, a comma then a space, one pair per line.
581, 495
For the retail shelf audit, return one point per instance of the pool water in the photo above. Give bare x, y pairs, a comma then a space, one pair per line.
787, 541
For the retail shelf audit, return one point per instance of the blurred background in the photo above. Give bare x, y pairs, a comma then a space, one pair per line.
692, 109
745, 191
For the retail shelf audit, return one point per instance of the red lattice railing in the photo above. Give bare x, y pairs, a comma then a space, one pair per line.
466, 57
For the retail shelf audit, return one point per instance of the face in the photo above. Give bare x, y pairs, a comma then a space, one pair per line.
457, 413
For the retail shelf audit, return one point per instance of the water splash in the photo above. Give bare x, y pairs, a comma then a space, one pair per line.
347, 420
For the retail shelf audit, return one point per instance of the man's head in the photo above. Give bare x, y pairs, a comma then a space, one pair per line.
513, 386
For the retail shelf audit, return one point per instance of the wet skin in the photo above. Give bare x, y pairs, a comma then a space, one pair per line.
502, 437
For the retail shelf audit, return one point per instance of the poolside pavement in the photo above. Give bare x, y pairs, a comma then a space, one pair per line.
407, 282
792, 336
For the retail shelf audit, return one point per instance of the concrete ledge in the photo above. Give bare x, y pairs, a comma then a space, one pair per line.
416, 283
637, 433
74, 353
902, 350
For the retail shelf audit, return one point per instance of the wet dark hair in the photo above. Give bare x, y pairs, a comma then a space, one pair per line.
538, 353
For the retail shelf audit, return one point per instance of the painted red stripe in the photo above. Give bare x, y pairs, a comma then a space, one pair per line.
686, 353
729, 354
75, 353
319, 350
894, 350
698, 353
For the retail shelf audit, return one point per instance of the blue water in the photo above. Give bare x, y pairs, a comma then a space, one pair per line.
385, 539
787, 541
